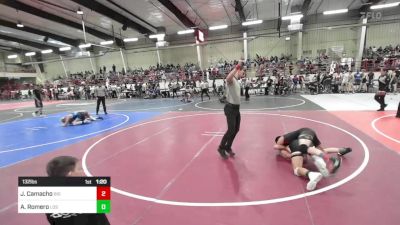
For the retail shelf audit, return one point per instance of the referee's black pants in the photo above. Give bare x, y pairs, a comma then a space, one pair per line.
103, 101
205, 91
380, 98
246, 93
232, 114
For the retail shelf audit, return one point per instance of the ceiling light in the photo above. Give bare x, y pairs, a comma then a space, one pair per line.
186, 31
12, 56
394, 4
218, 27
335, 11
293, 17
157, 36
106, 42
79, 11
253, 22
20, 25
161, 44
287, 38
85, 45
160, 37
47, 51
63, 49
30, 53
130, 39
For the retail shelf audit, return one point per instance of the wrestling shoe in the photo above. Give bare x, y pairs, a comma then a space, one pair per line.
334, 164
344, 151
34, 114
230, 152
221, 151
314, 177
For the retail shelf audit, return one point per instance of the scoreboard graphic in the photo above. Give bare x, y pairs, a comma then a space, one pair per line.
64, 195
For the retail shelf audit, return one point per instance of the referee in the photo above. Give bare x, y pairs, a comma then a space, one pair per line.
100, 93
231, 110
380, 95
37, 95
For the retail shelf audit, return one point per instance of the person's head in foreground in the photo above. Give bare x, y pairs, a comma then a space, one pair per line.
69, 166
64, 166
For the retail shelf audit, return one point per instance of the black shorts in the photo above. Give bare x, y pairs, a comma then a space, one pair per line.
303, 133
38, 103
79, 116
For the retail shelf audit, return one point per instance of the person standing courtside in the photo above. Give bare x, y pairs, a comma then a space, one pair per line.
175, 86
204, 89
231, 110
100, 93
381, 93
398, 77
37, 96
247, 83
398, 111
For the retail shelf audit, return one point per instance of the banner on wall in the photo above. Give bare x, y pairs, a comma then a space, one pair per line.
336, 52
337, 49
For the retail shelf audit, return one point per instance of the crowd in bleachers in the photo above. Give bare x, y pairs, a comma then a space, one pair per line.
134, 82
387, 57
389, 51
273, 75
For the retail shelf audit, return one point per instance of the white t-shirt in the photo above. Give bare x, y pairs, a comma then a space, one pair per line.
233, 92
346, 77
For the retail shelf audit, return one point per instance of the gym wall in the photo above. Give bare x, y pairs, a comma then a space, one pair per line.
316, 37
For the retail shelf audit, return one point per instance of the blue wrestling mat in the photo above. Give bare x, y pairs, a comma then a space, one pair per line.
25, 139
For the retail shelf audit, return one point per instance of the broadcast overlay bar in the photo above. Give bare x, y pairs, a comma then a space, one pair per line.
64, 195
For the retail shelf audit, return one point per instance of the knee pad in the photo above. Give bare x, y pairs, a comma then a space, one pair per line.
294, 154
296, 171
